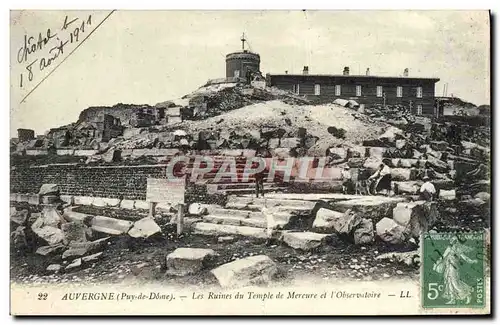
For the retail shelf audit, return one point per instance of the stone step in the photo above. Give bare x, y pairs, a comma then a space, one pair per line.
250, 222
212, 229
246, 213
250, 190
296, 210
270, 202
230, 186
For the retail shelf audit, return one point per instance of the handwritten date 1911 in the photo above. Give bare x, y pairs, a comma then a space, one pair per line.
57, 39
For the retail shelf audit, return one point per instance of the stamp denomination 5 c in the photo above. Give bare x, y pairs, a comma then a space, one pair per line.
453, 270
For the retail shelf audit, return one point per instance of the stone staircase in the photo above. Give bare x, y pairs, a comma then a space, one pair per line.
242, 216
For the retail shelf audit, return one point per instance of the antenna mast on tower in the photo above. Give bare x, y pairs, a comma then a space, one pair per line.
243, 39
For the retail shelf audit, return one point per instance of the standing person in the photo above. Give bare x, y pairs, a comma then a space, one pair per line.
347, 183
259, 177
381, 179
427, 190
270, 223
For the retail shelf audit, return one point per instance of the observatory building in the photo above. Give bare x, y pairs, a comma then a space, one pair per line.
239, 64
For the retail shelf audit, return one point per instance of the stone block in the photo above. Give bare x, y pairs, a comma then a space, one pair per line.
74, 232
253, 270
390, 231
184, 261
83, 200
141, 205
144, 228
363, 234
110, 226
127, 204
331, 221
304, 240
416, 217
34, 199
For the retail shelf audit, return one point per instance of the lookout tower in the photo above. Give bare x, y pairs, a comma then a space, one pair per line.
238, 63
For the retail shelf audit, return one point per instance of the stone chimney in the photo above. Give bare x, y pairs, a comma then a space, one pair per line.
346, 71
286, 71
405, 73
306, 70
367, 71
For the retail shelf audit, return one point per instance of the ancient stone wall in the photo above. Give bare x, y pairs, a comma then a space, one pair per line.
127, 182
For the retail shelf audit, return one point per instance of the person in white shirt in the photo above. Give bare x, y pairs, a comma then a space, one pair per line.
381, 179
270, 222
427, 190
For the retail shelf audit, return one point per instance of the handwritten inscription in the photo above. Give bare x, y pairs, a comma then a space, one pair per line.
48, 46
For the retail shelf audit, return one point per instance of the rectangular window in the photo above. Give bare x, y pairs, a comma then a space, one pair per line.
296, 89
399, 91
317, 89
338, 90
379, 91
419, 92
236, 73
419, 109
358, 91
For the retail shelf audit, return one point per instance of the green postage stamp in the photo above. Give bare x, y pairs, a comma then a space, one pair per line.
453, 270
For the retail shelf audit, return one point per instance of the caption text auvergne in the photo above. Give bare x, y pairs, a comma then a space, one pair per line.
248, 295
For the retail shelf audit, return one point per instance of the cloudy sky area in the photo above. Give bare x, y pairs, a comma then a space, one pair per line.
145, 57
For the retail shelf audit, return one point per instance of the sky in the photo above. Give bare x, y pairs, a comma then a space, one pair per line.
146, 57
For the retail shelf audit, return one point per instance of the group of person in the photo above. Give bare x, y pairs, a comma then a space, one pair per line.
380, 183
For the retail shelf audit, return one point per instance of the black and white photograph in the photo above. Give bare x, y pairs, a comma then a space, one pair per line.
250, 162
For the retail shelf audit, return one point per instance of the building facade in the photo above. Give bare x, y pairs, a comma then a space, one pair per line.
418, 94
25, 135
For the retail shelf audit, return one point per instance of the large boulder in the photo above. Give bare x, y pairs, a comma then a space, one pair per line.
416, 217
331, 221
390, 231
409, 187
403, 174
49, 189
438, 165
19, 217
363, 234
51, 235
49, 217
391, 135
74, 232
110, 226
304, 240
370, 207
144, 228
484, 196
184, 261
253, 270
197, 209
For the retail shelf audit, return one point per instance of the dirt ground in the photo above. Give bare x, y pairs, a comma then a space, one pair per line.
127, 259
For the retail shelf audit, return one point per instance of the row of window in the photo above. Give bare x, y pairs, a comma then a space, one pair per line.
338, 90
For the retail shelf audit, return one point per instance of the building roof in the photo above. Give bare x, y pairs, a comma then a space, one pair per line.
350, 76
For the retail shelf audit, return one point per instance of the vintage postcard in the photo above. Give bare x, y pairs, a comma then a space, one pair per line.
250, 162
